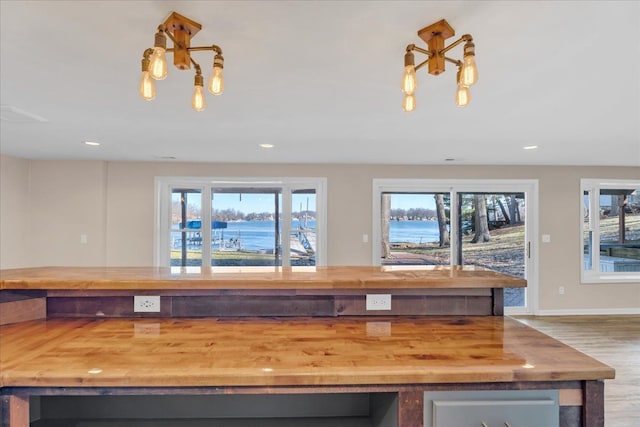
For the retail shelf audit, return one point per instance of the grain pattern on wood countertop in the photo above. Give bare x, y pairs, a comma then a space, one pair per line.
347, 277
284, 352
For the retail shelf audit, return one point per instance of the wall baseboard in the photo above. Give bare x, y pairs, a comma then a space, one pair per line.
588, 312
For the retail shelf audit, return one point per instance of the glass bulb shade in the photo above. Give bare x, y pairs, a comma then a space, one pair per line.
197, 102
462, 96
409, 80
147, 86
158, 65
409, 103
216, 82
469, 72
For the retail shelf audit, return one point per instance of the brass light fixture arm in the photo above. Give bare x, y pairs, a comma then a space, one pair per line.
453, 61
214, 48
413, 47
429, 54
422, 64
161, 28
464, 38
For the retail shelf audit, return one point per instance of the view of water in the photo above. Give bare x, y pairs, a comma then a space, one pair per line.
254, 235
258, 235
414, 231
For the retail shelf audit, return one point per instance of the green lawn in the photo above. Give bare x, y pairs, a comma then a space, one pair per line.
609, 229
505, 251
234, 258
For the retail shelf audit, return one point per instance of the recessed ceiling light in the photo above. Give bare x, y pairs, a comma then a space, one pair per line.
266, 145
530, 147
92, 143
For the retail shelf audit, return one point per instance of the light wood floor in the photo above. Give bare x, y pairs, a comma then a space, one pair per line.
614, 340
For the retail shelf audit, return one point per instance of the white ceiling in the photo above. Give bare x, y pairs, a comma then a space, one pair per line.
321, 81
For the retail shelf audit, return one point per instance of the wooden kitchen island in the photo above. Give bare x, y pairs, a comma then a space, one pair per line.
290, 333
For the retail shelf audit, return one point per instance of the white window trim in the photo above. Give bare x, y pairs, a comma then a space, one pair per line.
162, 222
595, 276
453, 187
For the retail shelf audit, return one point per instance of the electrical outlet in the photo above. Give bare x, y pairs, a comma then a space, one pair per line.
378, 301
561, 290
146, 304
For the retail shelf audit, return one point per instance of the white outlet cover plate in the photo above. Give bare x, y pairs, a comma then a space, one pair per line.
378, 302
146, 304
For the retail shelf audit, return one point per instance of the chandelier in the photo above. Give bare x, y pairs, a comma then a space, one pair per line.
154, 62
435, 35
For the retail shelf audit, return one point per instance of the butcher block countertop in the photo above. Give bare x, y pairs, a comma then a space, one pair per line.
284, 352
238, 278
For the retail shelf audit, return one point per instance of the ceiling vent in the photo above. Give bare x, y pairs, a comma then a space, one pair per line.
13, 114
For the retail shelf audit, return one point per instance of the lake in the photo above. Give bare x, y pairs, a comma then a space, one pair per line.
257, 235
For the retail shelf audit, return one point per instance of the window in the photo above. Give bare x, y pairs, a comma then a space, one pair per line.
459, 222
240, 222
610, 233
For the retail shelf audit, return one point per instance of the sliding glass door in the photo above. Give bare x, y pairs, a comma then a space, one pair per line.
493, 236
415, 228
459, 222
186, 227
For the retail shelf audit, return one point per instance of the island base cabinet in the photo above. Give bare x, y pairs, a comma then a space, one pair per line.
517, 408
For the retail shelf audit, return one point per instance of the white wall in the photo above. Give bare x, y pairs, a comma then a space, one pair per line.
112, 202
14, 212
67, 200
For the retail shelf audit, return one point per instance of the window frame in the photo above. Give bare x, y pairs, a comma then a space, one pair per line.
595, 276
162, 206
453, 187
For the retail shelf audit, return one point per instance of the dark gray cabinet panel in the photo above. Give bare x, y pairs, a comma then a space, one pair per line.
517, 408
